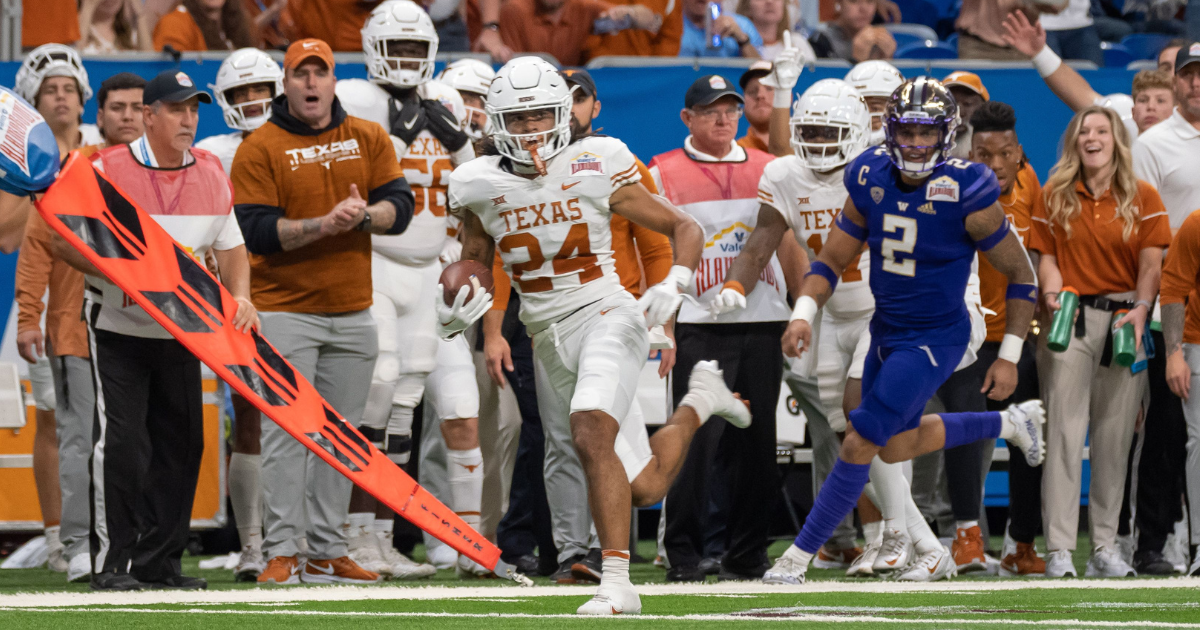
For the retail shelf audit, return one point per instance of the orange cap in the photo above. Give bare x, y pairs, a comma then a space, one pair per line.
968, 80
305, 49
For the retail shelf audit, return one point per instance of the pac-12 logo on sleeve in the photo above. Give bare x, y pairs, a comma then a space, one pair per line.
943, 188
588, 164
16, 122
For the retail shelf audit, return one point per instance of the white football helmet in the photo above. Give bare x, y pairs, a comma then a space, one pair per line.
247, 66
875, 78
524, 84
398, 20
475, 76
836, 104
51, 60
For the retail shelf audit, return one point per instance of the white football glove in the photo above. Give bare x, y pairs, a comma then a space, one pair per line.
787, 67
457, 317
727, 301
451, 251
660, 301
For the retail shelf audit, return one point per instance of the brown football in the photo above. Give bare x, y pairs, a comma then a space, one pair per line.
459, 274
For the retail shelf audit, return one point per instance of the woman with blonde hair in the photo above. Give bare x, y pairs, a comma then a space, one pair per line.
1100, 231
109, 26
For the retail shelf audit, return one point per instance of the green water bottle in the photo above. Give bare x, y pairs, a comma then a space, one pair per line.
1124, 344
1063, 325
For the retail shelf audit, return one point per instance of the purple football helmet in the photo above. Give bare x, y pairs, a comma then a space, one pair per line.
921, 101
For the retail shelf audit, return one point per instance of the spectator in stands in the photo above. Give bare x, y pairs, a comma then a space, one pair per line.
980, 35
1120, 228
637, 42
770, 18
737, 35
1164, 157
204, 25
336, 22
759, 101
1071, 34
560, 28
109, 26
851, 37
49, 22
969, 92
272, 22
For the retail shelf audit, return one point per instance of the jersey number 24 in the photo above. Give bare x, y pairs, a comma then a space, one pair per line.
574, 255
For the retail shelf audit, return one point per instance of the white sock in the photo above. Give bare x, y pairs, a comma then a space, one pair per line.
798, 555
701, 404
615, 565
466, 484
891, 490
383, 527
1008, 430
400, 426
966, 524
245, 494
923, 539
360, 524
873, 532
52, 538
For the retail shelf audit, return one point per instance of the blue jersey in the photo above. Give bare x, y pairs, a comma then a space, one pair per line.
921, 253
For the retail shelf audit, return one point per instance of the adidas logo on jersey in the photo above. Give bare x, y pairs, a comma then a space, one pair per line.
927, 208
324, 154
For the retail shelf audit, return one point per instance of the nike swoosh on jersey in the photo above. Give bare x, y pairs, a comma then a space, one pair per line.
605, 311
566, 186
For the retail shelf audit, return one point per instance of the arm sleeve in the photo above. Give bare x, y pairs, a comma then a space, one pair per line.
1041, 237
1155, 230
34, 264
501, 285
1180, 272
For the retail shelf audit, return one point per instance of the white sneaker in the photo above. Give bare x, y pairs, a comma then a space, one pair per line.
1027, 422
364, 551
56, 559
1059, 564
788, 569
401, 567
613, 599
895, 551
250, 564
442, 556
79, 569
1107, 563
466, 568
708, 381
864, 564
930, 567
1194, 570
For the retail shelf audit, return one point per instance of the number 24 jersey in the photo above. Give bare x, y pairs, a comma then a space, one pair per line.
921, 253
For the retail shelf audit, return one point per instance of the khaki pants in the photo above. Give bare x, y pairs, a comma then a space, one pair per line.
971, 47
1081, 396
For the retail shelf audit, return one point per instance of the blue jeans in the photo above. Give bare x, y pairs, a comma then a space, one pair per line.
1078, 43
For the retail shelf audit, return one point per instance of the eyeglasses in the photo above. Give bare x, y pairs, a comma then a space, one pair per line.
730, 113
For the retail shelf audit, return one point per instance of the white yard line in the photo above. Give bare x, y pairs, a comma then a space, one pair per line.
359, 593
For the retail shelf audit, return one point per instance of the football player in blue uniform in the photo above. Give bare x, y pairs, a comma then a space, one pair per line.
923, 215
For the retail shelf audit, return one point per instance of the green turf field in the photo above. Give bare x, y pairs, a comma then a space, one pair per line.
40, 599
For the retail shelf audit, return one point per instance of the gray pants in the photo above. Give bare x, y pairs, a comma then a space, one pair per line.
825, 447
76, 394
566, 485
1191, 411
302, 494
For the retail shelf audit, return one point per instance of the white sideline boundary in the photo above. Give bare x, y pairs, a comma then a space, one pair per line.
360, 593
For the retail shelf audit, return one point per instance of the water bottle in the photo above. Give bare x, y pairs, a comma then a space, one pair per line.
1063, 325
712, 39
1124, 344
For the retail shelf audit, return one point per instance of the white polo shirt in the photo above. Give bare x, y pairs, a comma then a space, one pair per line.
1165, 157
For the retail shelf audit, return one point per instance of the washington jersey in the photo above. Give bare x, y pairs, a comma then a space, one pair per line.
426, 165
223, 146
552, 232
809, 202
921, 253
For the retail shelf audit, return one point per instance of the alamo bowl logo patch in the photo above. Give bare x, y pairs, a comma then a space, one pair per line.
876, 194
943, 188
184, 80
587, 163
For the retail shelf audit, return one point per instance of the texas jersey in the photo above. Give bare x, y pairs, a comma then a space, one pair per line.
552, 232
426, 165
224, 146
921, 253
809, 201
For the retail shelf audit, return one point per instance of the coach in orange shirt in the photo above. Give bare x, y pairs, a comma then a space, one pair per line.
311, 186
1102, 231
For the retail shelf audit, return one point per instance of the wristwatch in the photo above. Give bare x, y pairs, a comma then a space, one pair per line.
365, 226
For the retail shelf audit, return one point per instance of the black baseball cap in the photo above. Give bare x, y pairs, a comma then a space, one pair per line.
580, 77
708, 89
758, 70
172, 86
1187, 54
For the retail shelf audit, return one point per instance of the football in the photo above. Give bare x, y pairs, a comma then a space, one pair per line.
459, 274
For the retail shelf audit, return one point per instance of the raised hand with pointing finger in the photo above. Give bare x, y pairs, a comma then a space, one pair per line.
788, 65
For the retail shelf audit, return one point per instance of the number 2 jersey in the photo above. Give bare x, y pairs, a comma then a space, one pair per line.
921, 253
552, 232
809, 202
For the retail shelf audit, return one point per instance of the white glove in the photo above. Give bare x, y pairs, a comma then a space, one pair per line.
659, 339
457, 317
660, 301
727, 301
451, 251
788, 64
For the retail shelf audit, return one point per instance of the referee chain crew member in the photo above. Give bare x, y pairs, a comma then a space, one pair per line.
148, 428
299, 182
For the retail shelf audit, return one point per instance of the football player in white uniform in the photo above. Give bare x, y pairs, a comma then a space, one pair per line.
545, 202
246, 82
472, 78
422, 116
875, 80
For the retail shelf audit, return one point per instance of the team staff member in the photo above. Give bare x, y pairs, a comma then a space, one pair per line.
760, 98
1102, 231
65, 340
297, 181
148, 433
